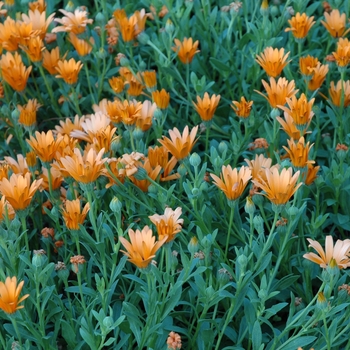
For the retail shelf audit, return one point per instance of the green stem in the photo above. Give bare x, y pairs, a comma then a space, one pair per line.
229, 229
92, 216
76, 102
207, 131
15, 326
24, 228
89, 83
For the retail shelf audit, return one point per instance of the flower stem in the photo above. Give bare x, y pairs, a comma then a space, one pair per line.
89, 83
229, 229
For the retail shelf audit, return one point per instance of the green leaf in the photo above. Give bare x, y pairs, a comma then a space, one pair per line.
272, 311
88, 338
299, 342
256, 335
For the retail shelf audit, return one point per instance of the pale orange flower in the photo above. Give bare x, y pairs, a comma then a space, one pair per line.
83, 47
18, 190
335, 23
14, 71
50, 38
206, 107
339, 253
39, 21
34, 48
67, 126
179, 145
73, 215
272, 61
131, 162
4, 169
39, 5
44, 145
161, 98
342, 55
319, 75
242, 108
300, 110
56, 179
300, 25
144, 121
307, 65
18, 166
84, 168
289, 127
9, 38
150, 79
142, 248
6, 209
129, 111
299, 153
27, 116
68, 70
232, 182
311, 173
279, 187
51, 59
186, 49
336, 92
73, 22
117, 84
168, 224
278, 92
9, 295
174, 341
152, 173
258, 165
125, 73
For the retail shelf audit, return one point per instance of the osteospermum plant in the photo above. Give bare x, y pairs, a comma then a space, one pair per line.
174, 176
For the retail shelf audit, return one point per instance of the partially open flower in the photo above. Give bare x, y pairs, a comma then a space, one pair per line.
335, 23
27, 116
73, 215
186, 49
72, 22
9, 295
242, 108
337, 253
206, 107
161, 98
299, 153
273, 61
307, 65
6, 209
342, 55
51, 59
300, 25
69, 70
335, 91
39, 22
319, 75
83, 47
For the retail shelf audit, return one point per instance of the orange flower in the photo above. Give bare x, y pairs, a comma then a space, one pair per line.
168, 224
30, 159
84, 168
27, 116
258, 165
127, 28
174, 341
38, 5
4, 169
135, 87
300, 25
83, 47
232, 182
288, 126
67, 126
129, 112
72, 22
186, 49
342, 55
206, 107
9, 38
278, 92
335, 23
34, 48
14, 71
319, 75
150, 79
44, 145
39, 21
160, 156
56, 179
243, 108
72, 214
307, 65
144, 122
311, 174
117, 84
69, 70
300, 110
336, 93
131, 162
338, 253
161, 98
18, 191
142, 248
9, 295
179, 145
51, 59
144, 183
299, 153
272, 61
279, 187
6, 209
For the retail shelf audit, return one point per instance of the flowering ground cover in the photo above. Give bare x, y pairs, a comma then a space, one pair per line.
174, 175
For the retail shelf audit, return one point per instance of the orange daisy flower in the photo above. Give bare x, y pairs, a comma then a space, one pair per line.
27, 116
336, 92
299, 153
142, 248
311, 173
242, 108
179, 145
68, 70
72, 22
338, 253
117, 84
161, 98
51, 59
206, 107
150, 79
289, 127
342, 55
300, 25
83, 47
335, 23
9, 295
186, 49
307, 65
272, 61
319, 75
73, 215
144, 122
34, 48
39, 22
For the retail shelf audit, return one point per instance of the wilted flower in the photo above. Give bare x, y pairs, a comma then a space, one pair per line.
335, 23
179, 145
242, 108
186, 49
77, 262
232, 182
72, 22
279, 187
338, 253
272, 61
168, 224
206, 107
142, 248
68, 70
73, 215
174, 341
300, 25
9, 295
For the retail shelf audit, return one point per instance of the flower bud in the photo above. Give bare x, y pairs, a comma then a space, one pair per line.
141, 174
258, 223
100, 20
39, 258
169, 27
124, 62
108, 322
249, 207
115, 205
182, 170
222, 147
143, 38
195, 159
193, 245
62, 271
